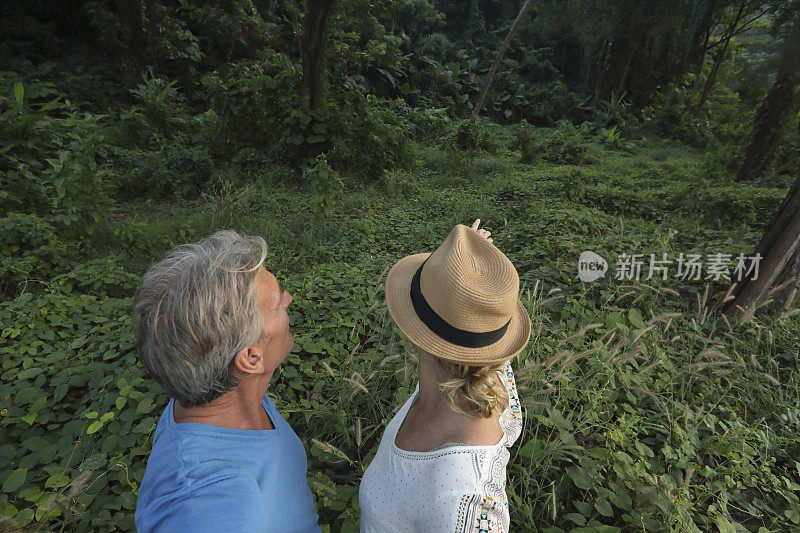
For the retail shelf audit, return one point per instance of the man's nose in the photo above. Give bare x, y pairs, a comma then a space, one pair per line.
290, 296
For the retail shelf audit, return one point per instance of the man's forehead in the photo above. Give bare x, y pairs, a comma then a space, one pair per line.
271, 285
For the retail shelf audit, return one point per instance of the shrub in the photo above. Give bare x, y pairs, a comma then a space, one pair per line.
370, 139
563, 146
524, 134
29, 248
306, 133
476, 135
742, 203
787, 158
160, 103
325, 184
49, 164
430, 124
613, 138
251, 96
542, 103
665, 117
68, 361
176, 170
103, 276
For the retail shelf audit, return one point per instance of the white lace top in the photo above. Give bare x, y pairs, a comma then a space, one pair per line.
453, 489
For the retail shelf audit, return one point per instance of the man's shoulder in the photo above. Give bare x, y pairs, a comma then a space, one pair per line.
202, 503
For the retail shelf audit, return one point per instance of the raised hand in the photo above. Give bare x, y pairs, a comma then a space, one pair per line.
482, 232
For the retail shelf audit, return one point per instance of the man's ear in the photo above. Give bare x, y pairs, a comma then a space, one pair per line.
249, 360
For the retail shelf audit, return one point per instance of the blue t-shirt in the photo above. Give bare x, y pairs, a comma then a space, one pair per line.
204, 478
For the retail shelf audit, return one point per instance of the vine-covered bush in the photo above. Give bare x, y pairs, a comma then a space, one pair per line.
252, 97
29, 250
370, 139
49, 160
563, 145
175, 170
476, 135
53, 186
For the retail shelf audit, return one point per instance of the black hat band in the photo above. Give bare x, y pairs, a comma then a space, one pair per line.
461, 337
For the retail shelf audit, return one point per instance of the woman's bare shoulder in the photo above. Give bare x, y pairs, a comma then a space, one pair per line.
447, 428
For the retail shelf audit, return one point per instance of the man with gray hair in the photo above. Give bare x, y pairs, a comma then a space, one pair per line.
212, 328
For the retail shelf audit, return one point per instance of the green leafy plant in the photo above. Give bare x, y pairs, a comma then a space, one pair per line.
565, 145
613, 138
475, 135
372, 138
325, 184
252, 98
49, 162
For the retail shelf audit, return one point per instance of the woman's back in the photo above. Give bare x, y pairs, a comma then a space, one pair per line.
455, 487
425, 428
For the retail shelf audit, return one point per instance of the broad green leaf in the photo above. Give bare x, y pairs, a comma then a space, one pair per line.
56, 481
6, 509
619, 497
576, 518
635, 318
603, 507
584, 508
724, 525
24, 517
94, 427
580, 477
533, 449
643, 449
559, 420
613, 319
19, 91
15, 480
38, 404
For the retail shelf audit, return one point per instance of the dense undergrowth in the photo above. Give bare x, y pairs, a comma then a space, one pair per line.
644, 410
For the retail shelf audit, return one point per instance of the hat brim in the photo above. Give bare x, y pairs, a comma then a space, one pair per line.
398, 300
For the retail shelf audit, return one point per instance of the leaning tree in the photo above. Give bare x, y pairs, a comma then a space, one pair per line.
776, 285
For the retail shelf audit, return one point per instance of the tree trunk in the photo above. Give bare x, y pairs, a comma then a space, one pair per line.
696, 84
490, 75
775, 111
775, 286
312, 51
628, 33
131, 15
780, 245
626, 68
607, 46
712, 78
587, 52
726, 40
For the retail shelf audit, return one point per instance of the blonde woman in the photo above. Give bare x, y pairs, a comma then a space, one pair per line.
441, 463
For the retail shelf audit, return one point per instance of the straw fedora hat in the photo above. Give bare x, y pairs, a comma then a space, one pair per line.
461, 302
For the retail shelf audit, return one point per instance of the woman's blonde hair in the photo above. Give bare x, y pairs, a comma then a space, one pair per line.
473, 390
